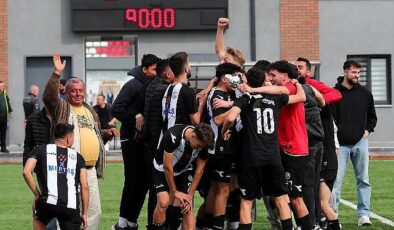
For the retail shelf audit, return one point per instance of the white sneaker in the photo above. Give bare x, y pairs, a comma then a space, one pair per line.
364, 221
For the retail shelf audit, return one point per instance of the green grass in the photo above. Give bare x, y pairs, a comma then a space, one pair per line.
16, 198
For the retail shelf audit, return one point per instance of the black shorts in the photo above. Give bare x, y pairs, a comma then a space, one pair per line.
221, 168
237, 155
295, 173
205, 182
68, 218
267, 179
183, 181
328, 176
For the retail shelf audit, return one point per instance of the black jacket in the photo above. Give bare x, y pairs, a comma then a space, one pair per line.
30, 105
37, 132
313, 121
153, 111
5, 107
330, 160
125, 106
354, 114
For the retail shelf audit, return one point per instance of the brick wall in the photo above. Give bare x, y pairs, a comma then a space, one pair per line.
3, 41
299, 29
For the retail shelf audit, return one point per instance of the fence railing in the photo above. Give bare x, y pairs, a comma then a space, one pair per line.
202, 72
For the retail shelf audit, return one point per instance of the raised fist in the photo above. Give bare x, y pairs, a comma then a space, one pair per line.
223, 22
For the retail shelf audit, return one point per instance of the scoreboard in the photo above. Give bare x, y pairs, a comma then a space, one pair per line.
146, 15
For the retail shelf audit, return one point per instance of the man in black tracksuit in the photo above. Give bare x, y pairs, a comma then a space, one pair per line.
153, 122
126, 110
315, 132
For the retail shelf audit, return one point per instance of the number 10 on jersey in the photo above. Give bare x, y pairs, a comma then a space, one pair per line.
267, 122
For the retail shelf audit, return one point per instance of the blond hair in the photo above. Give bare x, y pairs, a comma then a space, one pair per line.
237, 54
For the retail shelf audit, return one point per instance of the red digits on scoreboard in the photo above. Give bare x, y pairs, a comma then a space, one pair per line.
169, 18
143, 18
156, 18
151, 18
131, 15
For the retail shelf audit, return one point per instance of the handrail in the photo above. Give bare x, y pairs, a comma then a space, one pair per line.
200, 76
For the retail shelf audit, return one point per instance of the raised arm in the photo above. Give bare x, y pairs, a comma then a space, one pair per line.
51, 97
219, 42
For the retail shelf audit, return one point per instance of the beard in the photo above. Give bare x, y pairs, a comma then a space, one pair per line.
189, 75
352, 81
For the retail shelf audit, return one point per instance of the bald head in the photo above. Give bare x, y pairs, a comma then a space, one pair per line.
34, 90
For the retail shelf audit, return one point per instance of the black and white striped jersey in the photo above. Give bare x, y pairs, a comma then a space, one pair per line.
179, 102
221, 147
174, 142
58, 172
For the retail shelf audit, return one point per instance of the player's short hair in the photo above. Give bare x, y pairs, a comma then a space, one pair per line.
162, 66
255, 77
227, 68
178, 62
263, 65
284, 66
351, 63
62, 130
205, 134
63, 81
307, 62
101, 95
149, 60
237, 54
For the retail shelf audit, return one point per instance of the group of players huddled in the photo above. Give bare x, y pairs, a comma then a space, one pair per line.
265, 133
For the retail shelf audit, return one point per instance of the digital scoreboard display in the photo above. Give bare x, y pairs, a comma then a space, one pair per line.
145, 15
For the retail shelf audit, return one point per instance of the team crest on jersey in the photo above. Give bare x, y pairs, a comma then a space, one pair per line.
62, 159
72, 156
268, 101
174, 95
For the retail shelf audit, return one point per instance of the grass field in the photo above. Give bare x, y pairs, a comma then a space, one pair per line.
16, 198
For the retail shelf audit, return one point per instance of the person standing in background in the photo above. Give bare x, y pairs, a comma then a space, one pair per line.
89, 137
5, 110
355, 117
30, 102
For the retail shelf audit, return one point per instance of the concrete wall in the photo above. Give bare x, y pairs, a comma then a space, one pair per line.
44, 26
37, 28
357, 27
267, 30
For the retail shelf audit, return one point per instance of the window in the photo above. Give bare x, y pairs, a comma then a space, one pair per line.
375, 75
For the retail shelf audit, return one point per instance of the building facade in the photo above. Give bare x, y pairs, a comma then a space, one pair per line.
325, 31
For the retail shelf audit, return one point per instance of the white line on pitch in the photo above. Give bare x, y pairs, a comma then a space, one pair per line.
373, 215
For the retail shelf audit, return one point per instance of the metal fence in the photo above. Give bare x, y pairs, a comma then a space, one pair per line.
202, 72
